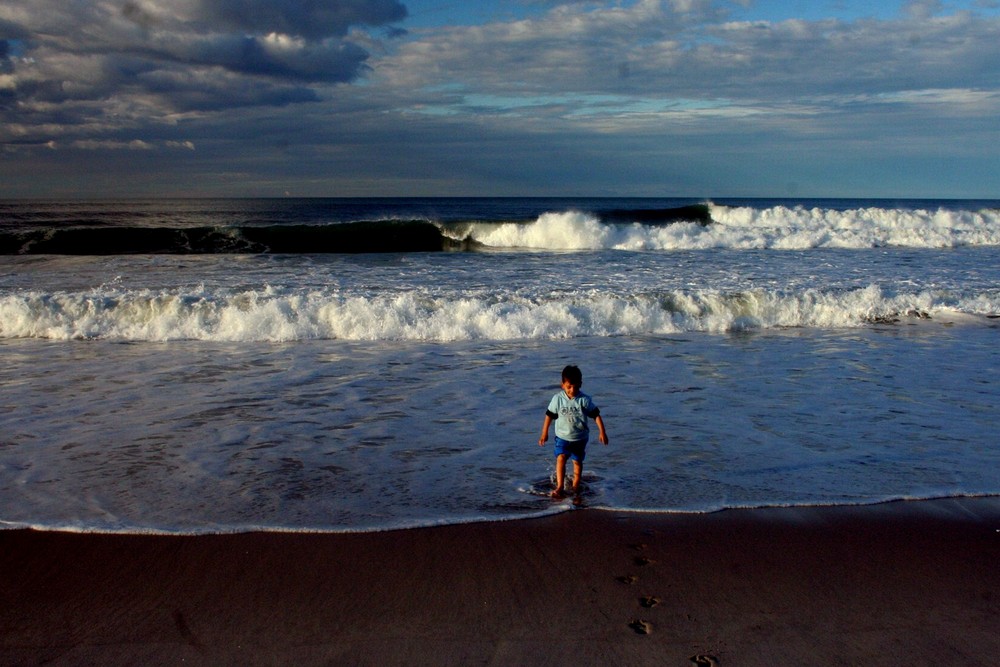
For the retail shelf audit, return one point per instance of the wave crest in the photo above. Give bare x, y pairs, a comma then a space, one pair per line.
782, 227
273, 315
745, 228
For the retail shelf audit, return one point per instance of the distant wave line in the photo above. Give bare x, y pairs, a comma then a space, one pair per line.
695, 227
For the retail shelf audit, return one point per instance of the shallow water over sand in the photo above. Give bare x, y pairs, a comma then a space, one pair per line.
779, 353
331, 435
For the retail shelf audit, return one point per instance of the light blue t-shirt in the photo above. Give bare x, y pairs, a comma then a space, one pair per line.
570, 415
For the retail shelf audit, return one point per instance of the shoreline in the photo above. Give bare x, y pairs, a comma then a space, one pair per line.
903, 582
983, 505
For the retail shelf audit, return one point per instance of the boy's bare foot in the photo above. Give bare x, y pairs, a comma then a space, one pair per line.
558, 494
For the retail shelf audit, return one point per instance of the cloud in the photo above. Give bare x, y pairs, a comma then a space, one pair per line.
656, 84
922, 9
626, 96
133, 145
311, 20
273, 56
116, 66
659, 50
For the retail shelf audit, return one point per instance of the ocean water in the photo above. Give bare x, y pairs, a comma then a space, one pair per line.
200, 366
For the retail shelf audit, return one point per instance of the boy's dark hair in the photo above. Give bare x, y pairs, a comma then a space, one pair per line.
574, 375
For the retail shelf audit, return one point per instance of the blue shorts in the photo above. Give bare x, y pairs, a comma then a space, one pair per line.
574, 449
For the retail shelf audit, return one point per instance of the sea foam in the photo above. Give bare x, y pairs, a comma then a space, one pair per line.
777, 228
274, 315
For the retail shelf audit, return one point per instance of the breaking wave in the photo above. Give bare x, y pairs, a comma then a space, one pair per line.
697, 227
739, 228
277, 315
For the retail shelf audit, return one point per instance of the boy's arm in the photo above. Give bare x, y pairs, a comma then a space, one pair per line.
603, 436
545, 430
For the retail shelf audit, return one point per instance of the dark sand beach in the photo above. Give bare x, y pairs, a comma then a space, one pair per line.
905, 583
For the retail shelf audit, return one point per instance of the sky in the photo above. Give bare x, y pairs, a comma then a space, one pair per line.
685, 98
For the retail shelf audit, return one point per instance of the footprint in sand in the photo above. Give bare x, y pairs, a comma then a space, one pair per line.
643, 560
649, 601
629, 579
641, 627
705, 660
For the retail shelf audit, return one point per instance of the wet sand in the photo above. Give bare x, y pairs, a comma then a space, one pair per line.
906, 583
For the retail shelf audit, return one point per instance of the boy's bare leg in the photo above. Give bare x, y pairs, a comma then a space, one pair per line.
577, 476
560, 476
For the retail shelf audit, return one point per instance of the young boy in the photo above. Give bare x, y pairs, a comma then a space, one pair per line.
570, 409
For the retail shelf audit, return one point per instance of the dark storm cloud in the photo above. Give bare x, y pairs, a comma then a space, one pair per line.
309, 19
189, 94
11, 30
114, 66
300, 40
9, 33
334, 61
